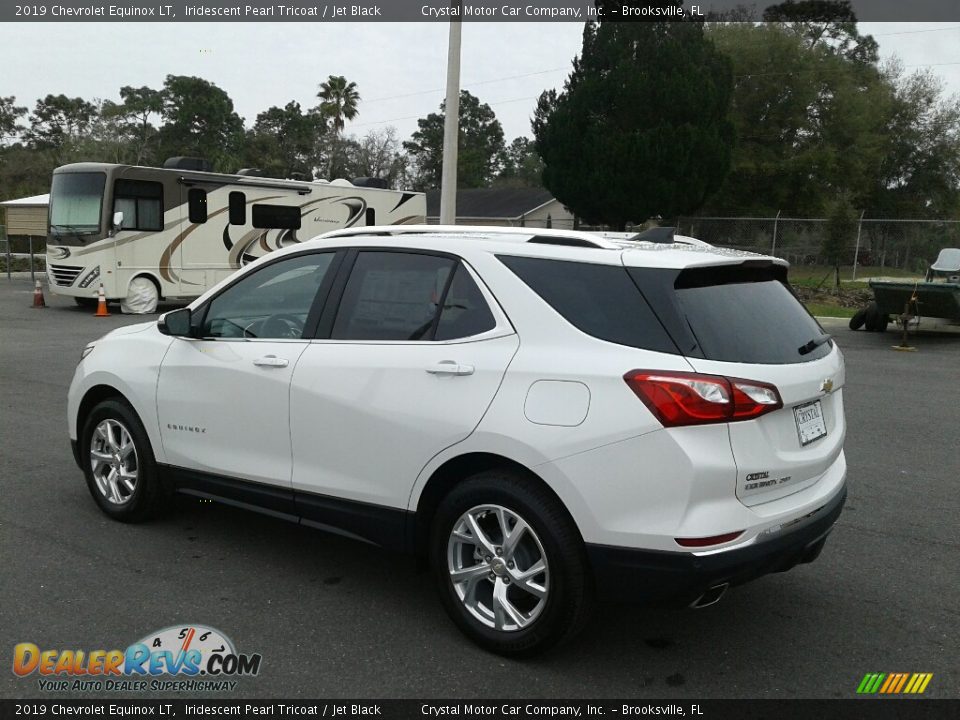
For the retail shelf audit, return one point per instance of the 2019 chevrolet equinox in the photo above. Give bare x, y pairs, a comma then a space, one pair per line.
547, 417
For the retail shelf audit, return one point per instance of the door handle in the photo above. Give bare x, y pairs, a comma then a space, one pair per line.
271, 361
450, 367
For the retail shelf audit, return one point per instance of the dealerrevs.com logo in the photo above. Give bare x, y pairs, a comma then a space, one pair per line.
189, 658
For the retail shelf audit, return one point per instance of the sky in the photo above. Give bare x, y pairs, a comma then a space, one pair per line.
399, 68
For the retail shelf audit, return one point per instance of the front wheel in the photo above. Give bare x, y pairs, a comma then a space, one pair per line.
510, 565
119, 465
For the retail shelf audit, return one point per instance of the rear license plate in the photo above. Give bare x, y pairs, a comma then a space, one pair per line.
810, 424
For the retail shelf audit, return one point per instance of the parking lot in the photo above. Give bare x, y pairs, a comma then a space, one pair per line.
336, 618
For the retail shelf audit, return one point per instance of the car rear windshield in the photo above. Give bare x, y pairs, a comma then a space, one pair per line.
600, 300
739, 313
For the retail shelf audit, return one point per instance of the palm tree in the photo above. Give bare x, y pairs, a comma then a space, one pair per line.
338, 100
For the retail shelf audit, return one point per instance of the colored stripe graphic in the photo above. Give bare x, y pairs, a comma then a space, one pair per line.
894, 683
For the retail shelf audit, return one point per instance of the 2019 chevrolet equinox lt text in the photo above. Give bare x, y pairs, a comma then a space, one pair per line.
547, 417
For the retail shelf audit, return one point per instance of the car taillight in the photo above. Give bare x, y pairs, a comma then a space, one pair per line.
682, 398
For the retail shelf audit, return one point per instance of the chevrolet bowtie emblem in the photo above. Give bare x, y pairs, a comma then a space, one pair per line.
827, 386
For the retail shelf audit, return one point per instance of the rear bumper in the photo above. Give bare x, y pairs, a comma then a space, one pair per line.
627, 574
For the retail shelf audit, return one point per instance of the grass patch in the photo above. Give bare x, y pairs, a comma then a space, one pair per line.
812, 275
822, 309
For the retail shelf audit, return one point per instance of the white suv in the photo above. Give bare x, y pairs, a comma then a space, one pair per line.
545, 416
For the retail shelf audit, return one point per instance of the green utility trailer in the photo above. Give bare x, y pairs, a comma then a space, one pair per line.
938, 296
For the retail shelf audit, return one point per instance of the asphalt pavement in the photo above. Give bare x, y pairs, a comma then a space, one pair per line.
336, 618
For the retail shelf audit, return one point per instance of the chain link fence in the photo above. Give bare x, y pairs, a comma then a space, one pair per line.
878, 243
908, 245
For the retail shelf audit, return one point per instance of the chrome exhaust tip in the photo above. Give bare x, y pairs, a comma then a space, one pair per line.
710, 597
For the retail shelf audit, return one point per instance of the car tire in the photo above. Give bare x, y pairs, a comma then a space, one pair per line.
501, 606
86, 303
119, 464
856, 322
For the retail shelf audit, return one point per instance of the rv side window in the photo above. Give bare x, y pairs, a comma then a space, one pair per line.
238, 208
276, 216
371, 216
141, 203
197, 205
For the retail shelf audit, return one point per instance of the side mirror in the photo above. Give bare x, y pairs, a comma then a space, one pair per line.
175, 323
117, 223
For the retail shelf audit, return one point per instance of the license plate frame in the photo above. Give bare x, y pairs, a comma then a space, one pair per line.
811, 429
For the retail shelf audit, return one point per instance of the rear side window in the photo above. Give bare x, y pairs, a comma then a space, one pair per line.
392, 296
465, 311
600, 300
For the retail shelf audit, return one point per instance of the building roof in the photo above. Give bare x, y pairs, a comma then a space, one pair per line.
34, 201
493, 203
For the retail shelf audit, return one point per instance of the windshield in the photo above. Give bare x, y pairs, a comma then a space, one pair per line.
75, 204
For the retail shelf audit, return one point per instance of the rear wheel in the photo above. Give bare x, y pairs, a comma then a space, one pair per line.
510, 564
119, 465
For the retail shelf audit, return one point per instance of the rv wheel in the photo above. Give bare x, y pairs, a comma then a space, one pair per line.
142, 297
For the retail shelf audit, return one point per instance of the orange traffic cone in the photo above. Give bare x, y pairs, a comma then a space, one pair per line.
101, 304
38, 301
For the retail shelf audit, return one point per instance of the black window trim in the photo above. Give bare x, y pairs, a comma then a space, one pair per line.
199, 315
324, 329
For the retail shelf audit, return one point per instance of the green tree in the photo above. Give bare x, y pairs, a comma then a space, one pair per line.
840, 234
640, 128
480, 145
920, 171
57, 123
24, 171
283, 140
809, 123
338, 101
132, 120
522, 166
10, 115
826, 22
200, 120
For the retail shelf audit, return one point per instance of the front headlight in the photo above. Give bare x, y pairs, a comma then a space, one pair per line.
86, 351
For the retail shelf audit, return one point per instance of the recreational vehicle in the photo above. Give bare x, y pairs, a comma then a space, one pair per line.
149, 233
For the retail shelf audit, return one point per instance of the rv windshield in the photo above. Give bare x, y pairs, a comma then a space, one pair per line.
76, 200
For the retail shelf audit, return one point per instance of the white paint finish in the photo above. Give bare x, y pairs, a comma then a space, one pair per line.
243, 408
366, 417
563, 403
771, 444
128, 359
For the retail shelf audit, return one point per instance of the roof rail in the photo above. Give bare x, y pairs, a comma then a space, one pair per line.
569, 238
